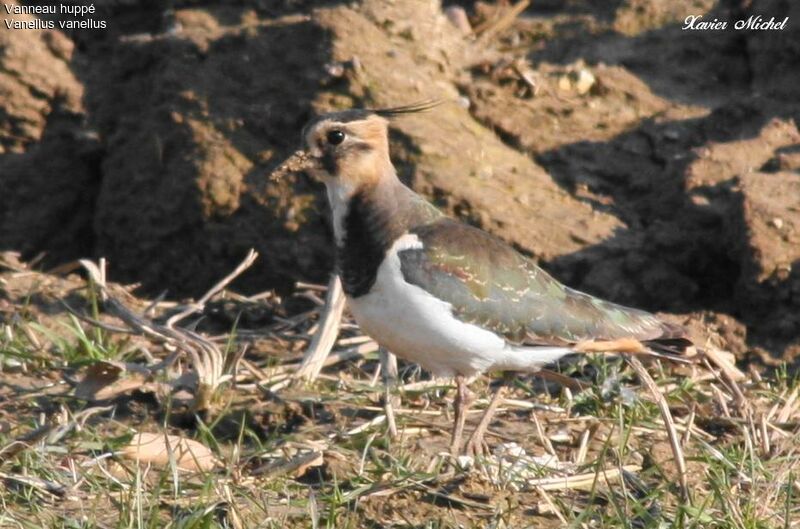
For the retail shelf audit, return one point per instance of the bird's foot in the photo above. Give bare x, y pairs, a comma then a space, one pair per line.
390, 402
390, 399
460, 405
477, 446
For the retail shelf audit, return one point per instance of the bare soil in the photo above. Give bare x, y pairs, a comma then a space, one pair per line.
656, 167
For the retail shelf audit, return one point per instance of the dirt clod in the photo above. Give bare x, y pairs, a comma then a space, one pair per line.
651, 165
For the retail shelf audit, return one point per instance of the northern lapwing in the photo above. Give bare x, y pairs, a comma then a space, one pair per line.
453, 298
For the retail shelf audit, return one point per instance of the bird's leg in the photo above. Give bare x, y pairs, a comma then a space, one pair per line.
476, 444
461, 404
389, 375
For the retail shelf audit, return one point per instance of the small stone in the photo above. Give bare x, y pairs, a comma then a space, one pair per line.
699, 200
458, 17
561, 436
334, 69
583, 80
777, 222
465, 462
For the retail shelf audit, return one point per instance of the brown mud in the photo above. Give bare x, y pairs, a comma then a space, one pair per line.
650, 165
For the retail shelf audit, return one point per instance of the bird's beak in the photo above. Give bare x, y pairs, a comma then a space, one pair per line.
299, 161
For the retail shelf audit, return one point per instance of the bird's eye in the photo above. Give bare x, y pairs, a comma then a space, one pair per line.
335, 137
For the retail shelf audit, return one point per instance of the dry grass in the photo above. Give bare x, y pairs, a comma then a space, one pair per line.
297, 454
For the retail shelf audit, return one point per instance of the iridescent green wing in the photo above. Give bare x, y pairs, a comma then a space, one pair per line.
489, 284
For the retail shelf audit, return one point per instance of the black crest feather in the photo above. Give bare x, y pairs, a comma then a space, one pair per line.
358, 114
413, 108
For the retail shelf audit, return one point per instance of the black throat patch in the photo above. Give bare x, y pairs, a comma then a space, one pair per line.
368, 236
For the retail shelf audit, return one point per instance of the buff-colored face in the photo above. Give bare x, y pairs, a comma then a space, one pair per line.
346, 149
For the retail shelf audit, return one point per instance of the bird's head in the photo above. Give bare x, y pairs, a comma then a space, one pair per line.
350, 149
347, 149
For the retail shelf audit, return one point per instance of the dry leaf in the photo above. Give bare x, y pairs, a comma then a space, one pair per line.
726, 361
106, 380
296, 465
155, 448
311, 460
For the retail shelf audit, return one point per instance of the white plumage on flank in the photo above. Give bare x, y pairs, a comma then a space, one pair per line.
421, 328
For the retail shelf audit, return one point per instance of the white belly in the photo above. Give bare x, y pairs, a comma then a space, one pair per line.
418, 327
